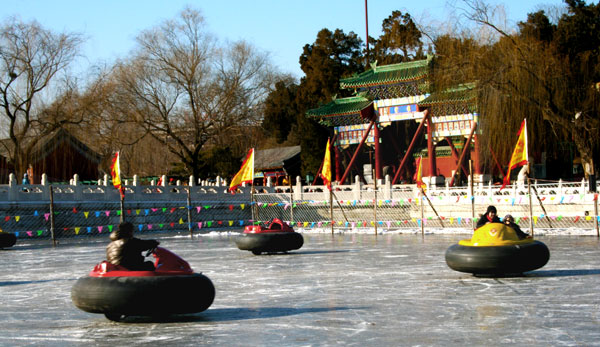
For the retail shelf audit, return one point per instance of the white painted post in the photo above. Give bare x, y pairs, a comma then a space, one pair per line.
75, 180
387, 195
44, 181
136, 180
105, 183
12, 191
298, 189
163, 181
560, 189
356, 189
192, 181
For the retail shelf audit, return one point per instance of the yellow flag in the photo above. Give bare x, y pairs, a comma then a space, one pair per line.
419, 174
519, 156
115, 171
246, 173
326, 171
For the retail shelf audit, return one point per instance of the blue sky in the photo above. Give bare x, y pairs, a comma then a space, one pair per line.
280, 27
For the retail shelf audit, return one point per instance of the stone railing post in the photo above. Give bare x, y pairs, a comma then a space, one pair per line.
356, 189
12, 187
387, 190
298, 189
560, 189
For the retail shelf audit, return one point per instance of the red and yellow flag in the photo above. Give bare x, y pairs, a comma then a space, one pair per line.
519, 156
115, 171
246, 173
326, 171
419, 174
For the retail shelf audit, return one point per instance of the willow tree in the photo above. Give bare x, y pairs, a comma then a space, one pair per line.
31, 57
529, 73
187, 92
547, 75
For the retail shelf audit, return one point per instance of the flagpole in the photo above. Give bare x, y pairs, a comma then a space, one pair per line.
331, 208
291, 199
375, 202
530, 206
472, 196
122, 202
422, 216
189, 211
542, 205
433, 208
340, 206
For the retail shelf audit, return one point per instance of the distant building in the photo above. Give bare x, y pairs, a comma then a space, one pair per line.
59, 155
281, 164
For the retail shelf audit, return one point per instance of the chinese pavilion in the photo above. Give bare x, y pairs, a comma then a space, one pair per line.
391, 94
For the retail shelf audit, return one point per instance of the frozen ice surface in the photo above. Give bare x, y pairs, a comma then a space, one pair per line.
344, 289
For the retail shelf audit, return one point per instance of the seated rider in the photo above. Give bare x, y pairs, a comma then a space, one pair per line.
490, 216
510, 221
125, 250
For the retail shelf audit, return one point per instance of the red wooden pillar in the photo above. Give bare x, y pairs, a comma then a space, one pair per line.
338, 174
410, 147
431, 149
475, 156
378, 171
364, 138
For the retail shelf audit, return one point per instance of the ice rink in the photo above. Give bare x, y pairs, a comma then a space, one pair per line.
343, 289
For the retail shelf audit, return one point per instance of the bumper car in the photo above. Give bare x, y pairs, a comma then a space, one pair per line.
278, 236
172, 288
496, 250
7, 239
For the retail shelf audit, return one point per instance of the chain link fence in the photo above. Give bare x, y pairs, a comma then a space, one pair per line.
548, 206
65, 220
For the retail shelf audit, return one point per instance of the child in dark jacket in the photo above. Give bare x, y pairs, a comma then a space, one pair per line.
510, 221
125, 250
490, 216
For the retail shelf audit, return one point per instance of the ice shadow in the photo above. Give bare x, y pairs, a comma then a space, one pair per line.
15, 283
563, 273
544, 273
236, 314
320, 252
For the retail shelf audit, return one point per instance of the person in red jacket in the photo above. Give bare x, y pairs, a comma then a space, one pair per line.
125, 250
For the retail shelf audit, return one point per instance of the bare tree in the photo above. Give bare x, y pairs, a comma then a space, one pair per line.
186, 91
30, 59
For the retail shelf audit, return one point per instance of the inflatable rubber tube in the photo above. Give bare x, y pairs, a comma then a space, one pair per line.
7, 240
143, 296
495, 260
270, 242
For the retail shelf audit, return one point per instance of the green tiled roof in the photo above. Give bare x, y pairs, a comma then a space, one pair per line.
464, 93
388, 74
340, 107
